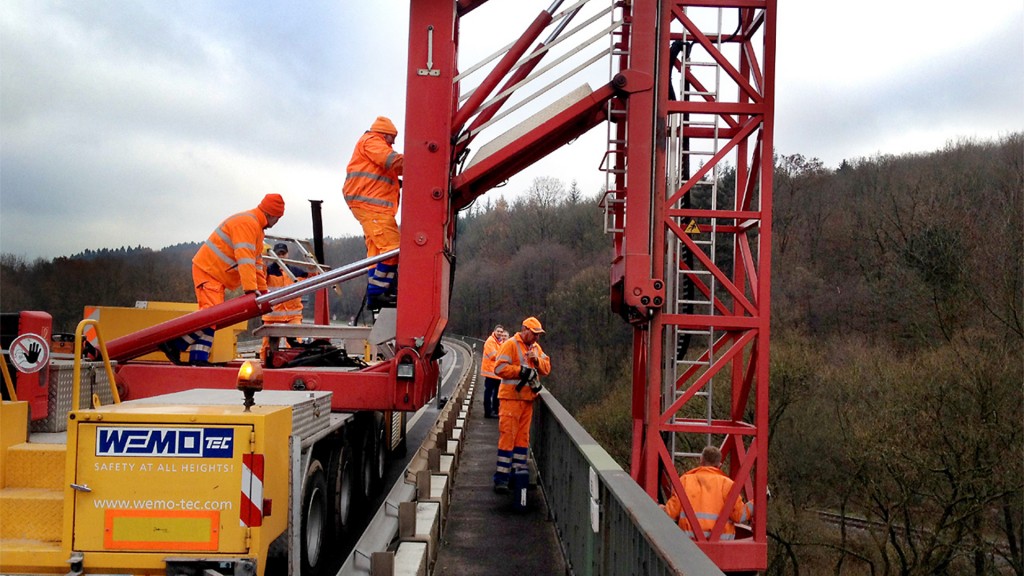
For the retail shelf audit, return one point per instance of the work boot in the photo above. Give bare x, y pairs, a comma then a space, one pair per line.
501, 487
377, 301
172, 353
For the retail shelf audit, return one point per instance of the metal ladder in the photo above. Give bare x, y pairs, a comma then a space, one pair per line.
691, 349
613, 163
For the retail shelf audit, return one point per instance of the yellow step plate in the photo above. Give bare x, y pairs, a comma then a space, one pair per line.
32, 557
31, 514
35, 465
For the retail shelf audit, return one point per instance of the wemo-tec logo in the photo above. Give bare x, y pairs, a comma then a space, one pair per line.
168, 442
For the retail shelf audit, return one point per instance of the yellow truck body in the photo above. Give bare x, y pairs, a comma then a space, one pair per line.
150, 483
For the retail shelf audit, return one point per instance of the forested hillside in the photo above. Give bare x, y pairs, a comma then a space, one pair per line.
897, 387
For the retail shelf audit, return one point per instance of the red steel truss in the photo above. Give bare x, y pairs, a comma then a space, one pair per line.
693, 274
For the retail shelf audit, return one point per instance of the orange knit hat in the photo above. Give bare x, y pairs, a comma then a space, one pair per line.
384, 126
273, 205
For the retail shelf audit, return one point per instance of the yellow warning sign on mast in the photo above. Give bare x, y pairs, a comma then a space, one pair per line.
692, 228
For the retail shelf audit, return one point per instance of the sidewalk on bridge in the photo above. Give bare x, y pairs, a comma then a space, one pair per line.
484, 535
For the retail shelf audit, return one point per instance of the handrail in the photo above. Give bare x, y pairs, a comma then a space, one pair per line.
76, 380
7, 380
614, 513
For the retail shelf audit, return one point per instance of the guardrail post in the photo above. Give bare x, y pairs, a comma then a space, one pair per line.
382, 564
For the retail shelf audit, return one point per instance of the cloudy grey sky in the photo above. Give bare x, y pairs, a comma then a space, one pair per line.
146, 122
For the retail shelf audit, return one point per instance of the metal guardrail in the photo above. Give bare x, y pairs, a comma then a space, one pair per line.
384, 547
606, 524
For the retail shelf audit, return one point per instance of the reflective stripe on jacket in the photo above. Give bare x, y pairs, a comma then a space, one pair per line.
371, 180
707, 487
511, 357
232, 252
490, 357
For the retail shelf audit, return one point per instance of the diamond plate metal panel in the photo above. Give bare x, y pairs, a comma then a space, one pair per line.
94, 380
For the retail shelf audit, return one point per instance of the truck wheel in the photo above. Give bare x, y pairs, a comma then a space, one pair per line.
367, 465
380, 454
341, 481
314, 519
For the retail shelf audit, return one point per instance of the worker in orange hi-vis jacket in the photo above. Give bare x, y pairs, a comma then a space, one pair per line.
491, 380
520, 361
706, 488
229, 259
279, 276
372, 190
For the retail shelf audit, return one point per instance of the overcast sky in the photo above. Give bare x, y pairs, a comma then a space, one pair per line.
147, 122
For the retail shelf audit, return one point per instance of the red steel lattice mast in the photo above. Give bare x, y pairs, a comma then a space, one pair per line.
689, 205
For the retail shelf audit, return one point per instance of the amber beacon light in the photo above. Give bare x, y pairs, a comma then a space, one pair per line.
250, 381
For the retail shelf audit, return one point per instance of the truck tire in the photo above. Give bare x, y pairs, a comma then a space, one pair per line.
380, 453
367, 458
341, 482
314, 519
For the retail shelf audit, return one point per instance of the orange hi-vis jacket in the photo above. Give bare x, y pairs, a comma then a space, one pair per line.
371, 180
231, 254
490, 357
707, 487
512, 356
286, 311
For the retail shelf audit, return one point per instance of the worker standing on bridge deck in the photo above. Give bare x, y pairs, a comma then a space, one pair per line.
229, 259
491, 380
279, 276
520, 361
372, 190
706, 488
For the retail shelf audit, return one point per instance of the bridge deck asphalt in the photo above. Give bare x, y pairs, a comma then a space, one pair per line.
484, 534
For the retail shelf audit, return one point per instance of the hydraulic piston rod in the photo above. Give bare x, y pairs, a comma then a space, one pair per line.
235, 310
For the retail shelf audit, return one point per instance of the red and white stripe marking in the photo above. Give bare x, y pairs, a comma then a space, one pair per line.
251, 511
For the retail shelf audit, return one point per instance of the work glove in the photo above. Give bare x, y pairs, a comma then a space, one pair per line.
535, 386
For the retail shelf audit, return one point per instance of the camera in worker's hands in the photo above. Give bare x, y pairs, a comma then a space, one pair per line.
527, 376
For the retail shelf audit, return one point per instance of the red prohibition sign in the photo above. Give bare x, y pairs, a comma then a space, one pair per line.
29, 353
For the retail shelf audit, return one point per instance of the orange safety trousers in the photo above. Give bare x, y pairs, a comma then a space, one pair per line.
209, 293
266, 339
382, 234
380, 231
514, 417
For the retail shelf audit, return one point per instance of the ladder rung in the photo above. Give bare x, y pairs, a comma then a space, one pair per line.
695, 302
700, 123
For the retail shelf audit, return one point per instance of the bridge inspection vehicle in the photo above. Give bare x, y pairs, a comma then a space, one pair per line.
691, 88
